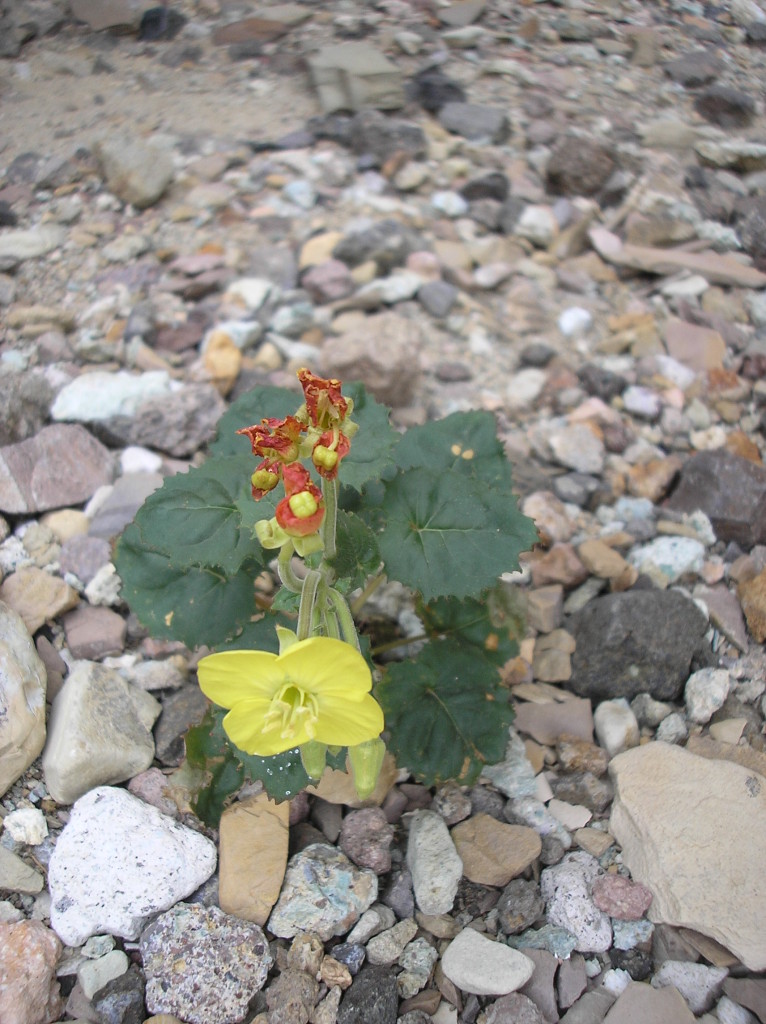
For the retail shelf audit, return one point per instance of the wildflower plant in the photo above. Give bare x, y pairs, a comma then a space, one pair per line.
337, 502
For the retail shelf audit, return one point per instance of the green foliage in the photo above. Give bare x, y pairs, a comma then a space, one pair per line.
446, 712
432, 508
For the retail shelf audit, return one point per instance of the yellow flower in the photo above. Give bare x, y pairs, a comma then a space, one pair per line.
317, 689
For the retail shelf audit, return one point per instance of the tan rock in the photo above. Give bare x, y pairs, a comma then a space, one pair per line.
37, 596
384, 357
699, 348
641, 1002
337, 787
752, 596
546, 722
593, 841
222, 359
318, 249
253, 857
602, 560
492, 852
552, 662
693, 831
22, 698
66, 523
652, 479
29, 992
704, 746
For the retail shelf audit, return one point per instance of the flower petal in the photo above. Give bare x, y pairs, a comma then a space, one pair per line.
323, 665
232, 676
244, 727
344, 724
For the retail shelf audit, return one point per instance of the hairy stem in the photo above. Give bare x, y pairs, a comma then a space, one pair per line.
344, 617
308, 600
284, 567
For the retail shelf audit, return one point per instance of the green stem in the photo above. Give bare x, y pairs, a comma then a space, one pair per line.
344, 617
329, 523
331, 624
370, 587
308, 600
401, 642
289, 580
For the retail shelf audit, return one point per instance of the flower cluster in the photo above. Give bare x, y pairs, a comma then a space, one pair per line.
319, 430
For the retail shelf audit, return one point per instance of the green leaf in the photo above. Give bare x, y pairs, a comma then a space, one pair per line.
464, 443
258, 634
372, 447
446, 713
206, 516
282, 775
263, 402
221, 775
486, 624
193, 604
358, 551
441, 541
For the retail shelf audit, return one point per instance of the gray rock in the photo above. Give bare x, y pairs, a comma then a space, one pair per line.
62, 465
373, 134
434, 862
590, 1008
351, 76
514, 775
180, 711
694, 69
579, 166
29, 244
372, 997
99, 732
730, 490
203, 965
121, 1000
16, 875
437, 297
179, 423
726, 107
705, 692
22, 698
118, 862
322, 892
566, 890
474, 963
519, 906
639, 641
136, 171
387, 242
472, 121
83, 555
24, 402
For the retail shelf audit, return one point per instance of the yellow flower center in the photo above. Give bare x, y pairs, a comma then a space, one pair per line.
291, 710
303, 504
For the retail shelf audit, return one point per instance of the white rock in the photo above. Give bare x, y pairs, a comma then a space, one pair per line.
666, 559
28, 244
251, 292
642, 402
525, 387
571, 816
99, 395
474, 963
616, 726
434, 862
450, 203
538, 224
26, 825
729, 1012
23, 683
699, 984
705, 692
135, 459
104, 589
575, 320
99, 732
615, 981
566, 890
94, 974
577, 447
118, 862
694, 831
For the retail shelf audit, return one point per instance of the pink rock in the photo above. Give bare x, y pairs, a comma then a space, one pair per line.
94, 632
328, 281
366, 838
29, 992
620, 897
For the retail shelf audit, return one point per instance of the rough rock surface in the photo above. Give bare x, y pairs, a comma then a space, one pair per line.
23, 683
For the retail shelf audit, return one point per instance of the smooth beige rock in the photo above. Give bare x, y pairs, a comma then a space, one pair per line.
694, 831
492, 852
252, 857
23, 683
337, 787
641, 1002
601, 560
546, 722
16, 875
37, 596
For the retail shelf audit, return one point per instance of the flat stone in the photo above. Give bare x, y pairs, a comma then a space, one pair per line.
127, 495
351, 76
678, 819
37, 596
730, 490
493, 853
103, 14
591, 1008
61, 465
472, 121
547, 722
653, 636
474, 963
385, 948
322, 892
93, 633
16, 875
699, 984
725, 613
699, 348
99, 732
96, 396
135, 170
118, 862
640, 1002
434, 862
29, 993
571, 981
748, 992
514, 775
23, 683
202, 965
577, 447
601, 560
253, 857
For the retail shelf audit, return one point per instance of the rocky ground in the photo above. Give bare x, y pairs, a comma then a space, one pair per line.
551, 211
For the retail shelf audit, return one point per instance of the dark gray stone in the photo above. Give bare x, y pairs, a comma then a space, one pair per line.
584, 788
493, 185
693, 70
437, 297
121, 1000
520, 906
726, 107
399, 896
381, 136
730, 490
472, 121
388, 243
180, 711
371, 998
432, 89
579, 166
639, 641
752, 230
351, 954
